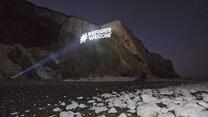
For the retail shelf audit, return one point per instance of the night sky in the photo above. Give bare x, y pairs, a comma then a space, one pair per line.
176, 29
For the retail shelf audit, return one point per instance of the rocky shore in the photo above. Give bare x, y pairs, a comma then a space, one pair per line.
104, 99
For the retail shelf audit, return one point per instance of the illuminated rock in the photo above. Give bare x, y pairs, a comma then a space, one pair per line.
147, 110
166, 115
112, 110
205, 97
203, 104
56, 109
82, 106
99, 109
148, 98
73, 105
122, 115
67, 114
187, 111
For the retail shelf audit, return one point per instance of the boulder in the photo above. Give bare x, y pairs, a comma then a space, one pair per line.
148, 110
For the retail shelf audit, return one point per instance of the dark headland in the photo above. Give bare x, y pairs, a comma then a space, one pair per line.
30, 33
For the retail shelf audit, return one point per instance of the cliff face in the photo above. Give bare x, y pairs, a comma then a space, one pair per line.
28, 25
30, 33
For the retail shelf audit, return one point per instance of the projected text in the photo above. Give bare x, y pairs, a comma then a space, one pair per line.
96, 34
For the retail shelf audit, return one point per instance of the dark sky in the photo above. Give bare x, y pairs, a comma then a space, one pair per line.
177, 29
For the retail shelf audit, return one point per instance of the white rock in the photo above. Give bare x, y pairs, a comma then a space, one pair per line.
118, 103
147, 110
112, 110
114, 92
122, 115
173, 106
131, 111
80, 98
63, 104
98, 109
122, 98
165, 101
185, 92
180, 98
139, 103
205, 97
126, 96
163, 110
27, 111
100, 104
22, 115
203, 114
59, 102
166, 115
192, 90
14, 113
179, 102
82, 106
66, 114
165, 91
187, 111
138, 92
148, 98
194, 105
147, 91
189, 98
131, 104
91, 101
131, 107
94, 103
107, 95
98, 99
74, 105
56, 109
203, 104
78, 114
110, 104
129, 114
136, 99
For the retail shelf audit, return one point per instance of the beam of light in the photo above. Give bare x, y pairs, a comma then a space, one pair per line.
96, 34
67, 49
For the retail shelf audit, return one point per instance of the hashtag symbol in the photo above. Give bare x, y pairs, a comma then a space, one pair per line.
83, 38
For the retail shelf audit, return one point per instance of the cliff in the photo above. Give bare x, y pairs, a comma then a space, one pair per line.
30, 33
